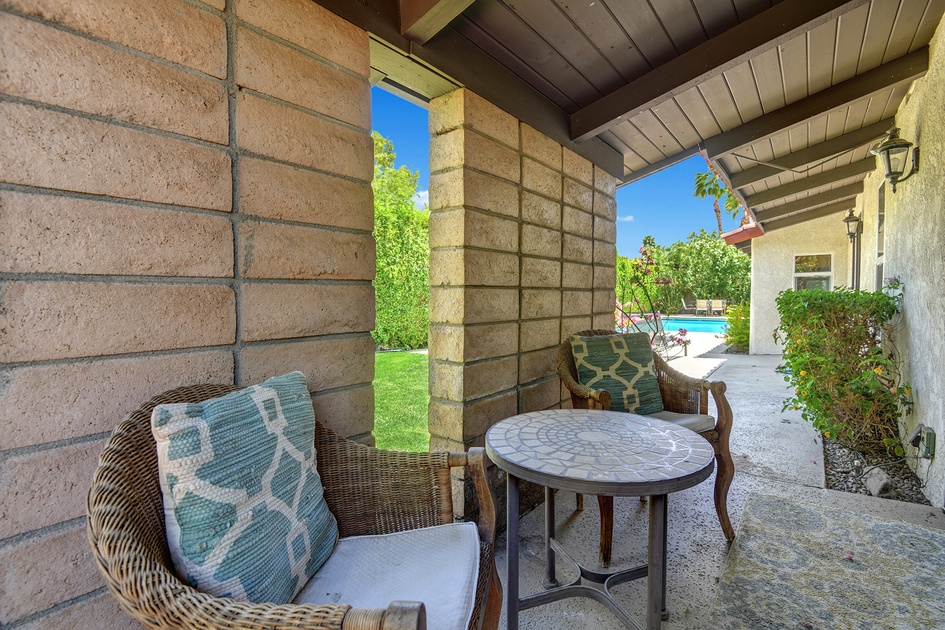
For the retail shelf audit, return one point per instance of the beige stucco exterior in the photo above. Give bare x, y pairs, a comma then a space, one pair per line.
772, 270
914, 252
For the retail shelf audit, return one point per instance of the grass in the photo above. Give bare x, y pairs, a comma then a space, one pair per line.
400, 401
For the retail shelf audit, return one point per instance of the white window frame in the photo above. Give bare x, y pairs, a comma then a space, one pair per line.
811, 274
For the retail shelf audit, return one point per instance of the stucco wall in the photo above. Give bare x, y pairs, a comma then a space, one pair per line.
772, 270
915, 253
184, 197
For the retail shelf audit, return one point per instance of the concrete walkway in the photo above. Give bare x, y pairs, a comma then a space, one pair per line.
776, 453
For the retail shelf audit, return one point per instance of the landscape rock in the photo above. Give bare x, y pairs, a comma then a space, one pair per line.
878, 482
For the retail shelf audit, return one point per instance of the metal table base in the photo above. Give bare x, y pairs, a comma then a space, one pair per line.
654, 570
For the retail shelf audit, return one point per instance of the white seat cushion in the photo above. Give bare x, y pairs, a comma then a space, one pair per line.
434, 565
693, 421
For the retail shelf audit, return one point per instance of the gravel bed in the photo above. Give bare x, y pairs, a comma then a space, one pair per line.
845, 470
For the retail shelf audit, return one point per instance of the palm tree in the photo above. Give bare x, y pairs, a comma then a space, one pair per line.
710, 185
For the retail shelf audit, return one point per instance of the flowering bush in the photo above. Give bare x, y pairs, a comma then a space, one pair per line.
842, 364
641, 285
737, 332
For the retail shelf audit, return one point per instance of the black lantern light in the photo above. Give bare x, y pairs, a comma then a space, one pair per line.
853, 225
894, 152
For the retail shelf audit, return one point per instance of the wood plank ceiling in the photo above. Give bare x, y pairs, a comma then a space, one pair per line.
784, 97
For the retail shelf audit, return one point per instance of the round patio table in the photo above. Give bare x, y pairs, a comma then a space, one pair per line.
602, 453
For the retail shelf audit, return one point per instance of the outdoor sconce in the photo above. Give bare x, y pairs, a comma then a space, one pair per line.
894, 151
853, 225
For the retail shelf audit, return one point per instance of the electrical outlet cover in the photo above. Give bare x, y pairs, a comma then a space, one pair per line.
927, 446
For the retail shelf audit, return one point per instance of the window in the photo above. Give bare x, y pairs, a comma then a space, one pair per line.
813, 271
880, 234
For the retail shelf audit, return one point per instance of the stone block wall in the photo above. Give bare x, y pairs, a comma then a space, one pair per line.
184, 197
522, 239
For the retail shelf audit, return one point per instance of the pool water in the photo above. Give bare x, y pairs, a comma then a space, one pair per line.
701, 324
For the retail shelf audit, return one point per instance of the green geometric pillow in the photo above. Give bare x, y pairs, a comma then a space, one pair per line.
622, 365
243, 502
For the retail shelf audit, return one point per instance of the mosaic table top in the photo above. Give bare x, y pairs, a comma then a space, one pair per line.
600, 452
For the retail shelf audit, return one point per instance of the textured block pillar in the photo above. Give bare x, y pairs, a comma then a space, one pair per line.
522, 239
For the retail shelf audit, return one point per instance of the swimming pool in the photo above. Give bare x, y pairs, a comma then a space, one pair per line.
701, 324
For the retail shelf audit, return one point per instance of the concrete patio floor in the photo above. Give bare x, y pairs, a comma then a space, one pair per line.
776, 453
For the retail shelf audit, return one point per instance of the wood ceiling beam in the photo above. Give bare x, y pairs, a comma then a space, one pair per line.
814, 181
775, 214
420, 20
460, 60
815, 153
763, 32
659, 166
825, 211
906, 68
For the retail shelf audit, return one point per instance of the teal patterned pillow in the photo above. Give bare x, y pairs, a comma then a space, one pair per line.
243, 502
622, 365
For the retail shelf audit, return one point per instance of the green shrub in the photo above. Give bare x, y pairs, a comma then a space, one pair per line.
737, 327
401, 231
845, 382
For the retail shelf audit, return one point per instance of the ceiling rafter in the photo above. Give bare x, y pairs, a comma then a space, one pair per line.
750, 38
659, 166
906, 68
814, 153
460, 60
814, 181
420, 20
774, 214
818, 213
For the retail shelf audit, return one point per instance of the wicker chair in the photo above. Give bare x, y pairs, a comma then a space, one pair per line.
368, 490
681, 394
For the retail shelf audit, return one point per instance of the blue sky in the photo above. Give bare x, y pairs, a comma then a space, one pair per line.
661, 205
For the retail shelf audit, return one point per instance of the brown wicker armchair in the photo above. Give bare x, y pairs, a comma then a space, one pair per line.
368, 490
681, 394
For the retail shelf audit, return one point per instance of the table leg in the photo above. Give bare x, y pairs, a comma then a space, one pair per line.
656, 580
664, 614
550, 580
511, 597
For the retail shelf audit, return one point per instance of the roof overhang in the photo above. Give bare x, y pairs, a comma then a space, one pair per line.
783, 97
743, 233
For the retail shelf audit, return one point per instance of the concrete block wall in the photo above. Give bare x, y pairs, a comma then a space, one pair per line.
522, 239
184, 197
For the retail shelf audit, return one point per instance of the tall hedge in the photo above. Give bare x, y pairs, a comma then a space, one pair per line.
401, 230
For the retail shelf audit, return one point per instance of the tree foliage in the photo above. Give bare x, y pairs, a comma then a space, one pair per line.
711, 185
402, 283
703, 266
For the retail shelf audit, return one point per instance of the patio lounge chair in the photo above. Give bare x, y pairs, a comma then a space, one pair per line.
687, 309
369, 491
683, 397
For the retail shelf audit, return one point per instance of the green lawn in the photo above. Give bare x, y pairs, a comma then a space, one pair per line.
400, 401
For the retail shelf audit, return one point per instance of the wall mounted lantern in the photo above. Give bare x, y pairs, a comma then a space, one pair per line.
894, 152
853, 225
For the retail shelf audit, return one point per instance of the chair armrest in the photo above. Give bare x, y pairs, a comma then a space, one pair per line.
685, 394
397, 616
475, 463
